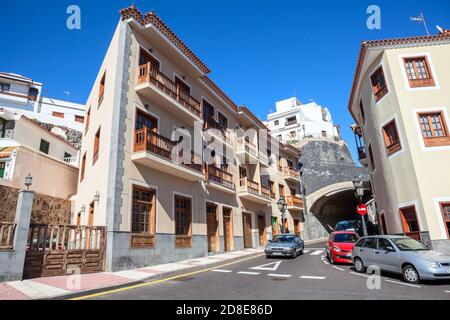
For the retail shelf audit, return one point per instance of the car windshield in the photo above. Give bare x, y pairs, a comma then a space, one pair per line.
408, 244
341, 226
284, 239
345, 238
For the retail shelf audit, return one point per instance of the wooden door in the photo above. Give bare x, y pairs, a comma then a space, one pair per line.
227, 229
297, 227
144, 120
262, 230
286, 226
410, 222
212, 228
145, 57
247, 223
242, 172
282, 192
208, 111
182, 85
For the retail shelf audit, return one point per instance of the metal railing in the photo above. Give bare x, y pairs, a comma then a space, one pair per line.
149, 73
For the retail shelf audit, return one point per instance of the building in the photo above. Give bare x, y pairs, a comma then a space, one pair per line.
400, 102
294, 121
22, 95
151, 96
27, 147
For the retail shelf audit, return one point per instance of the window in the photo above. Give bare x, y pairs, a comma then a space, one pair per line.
292, 134
324, 134
384, 244
272, 189
4, 87
83, 167
143, 207
410, 223
145, 58
58, 114
279, 137
434, 129
361, 109
445, 208
379, 86
418, 72
88, 119
101, 89
96, 146
79, 119
44, 146
281, 191
183, 219
291, 120
2, 169
32, 94
223, 121
276, 123
67, 155
370, 243
372, 162
391, 138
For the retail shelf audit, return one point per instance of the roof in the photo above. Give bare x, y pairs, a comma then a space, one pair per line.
153, 19
365, 45
18, 77
6, 152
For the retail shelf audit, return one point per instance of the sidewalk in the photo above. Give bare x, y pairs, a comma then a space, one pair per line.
53, 287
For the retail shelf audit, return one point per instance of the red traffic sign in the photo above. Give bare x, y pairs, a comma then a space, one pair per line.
361, 209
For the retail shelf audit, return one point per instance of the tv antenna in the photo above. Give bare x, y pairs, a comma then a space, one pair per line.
421, 19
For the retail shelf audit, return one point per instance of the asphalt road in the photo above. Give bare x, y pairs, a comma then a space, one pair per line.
309, 276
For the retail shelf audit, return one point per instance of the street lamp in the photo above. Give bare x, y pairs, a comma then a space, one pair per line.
28, 181
359, 192
282, 205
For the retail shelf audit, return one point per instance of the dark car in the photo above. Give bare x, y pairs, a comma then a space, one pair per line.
285, 245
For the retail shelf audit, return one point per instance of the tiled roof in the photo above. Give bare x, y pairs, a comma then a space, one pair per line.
445, 35
152, 18
219, 92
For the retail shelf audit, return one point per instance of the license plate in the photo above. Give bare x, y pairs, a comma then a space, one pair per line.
348, 255
277, 253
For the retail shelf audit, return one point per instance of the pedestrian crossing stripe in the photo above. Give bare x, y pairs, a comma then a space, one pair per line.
316, 253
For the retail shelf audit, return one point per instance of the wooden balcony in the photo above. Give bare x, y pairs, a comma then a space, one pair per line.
154, 85
249, 190
219, 179
215, 126
265, 192
291, 174
7, 230
156, 151
245, 147
294, 203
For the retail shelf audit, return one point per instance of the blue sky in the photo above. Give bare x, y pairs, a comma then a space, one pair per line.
260, 51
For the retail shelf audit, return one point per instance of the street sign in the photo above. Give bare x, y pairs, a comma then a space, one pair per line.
361, 209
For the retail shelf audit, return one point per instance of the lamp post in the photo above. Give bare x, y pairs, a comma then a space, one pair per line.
359, 192
28, 181
282, 205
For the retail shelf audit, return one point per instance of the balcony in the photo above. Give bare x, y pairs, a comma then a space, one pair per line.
249, 190
73, 161
219, 179
247, 149
214, 128
294, 203
291, 174
264, 159
156, 86
155, 151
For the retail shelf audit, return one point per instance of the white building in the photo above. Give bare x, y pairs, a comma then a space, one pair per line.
23, 96
294, 121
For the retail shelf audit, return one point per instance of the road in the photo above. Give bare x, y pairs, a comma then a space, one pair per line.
309, 276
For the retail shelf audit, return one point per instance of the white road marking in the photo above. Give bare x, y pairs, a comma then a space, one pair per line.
447, 291
316, 253
279, 275
338, 268
220, 270
250, 273
403, 283
266, 267
306, 251
360, 274
313, 277
325, 262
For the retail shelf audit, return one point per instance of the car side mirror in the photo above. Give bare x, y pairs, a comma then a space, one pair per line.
269, 241
391, 249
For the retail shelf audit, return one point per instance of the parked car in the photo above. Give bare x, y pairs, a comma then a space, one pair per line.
285, 245
402, 255
356, 225
340, 245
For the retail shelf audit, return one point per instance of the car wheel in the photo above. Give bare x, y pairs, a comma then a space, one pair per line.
410, 274
268, 256
294, 254
301, 252
359, 265
330, 257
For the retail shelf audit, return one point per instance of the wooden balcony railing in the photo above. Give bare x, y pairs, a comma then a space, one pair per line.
249, 186
213, 124
265, 191
219, 176
7, 230
148, 73
291, 172
293, 201
146, 140
247, 146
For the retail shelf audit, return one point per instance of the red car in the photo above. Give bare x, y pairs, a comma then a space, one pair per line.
340, 246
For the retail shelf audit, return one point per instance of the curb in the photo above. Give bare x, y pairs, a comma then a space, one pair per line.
158, 276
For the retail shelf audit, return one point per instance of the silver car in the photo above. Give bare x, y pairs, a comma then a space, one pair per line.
285, 245
402, 255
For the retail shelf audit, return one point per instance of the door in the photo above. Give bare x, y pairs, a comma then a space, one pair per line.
367, 251
208, 111
281, 190
410, 222
145, 57
242, 172
212, 227
286, 226
247, 223
262, 230
182, 85
297, 227
386, 259
144, 120
227, 229
2, 169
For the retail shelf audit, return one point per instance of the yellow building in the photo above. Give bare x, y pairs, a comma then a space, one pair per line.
401, 102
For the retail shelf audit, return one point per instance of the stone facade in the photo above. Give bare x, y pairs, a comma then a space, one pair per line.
45, 210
